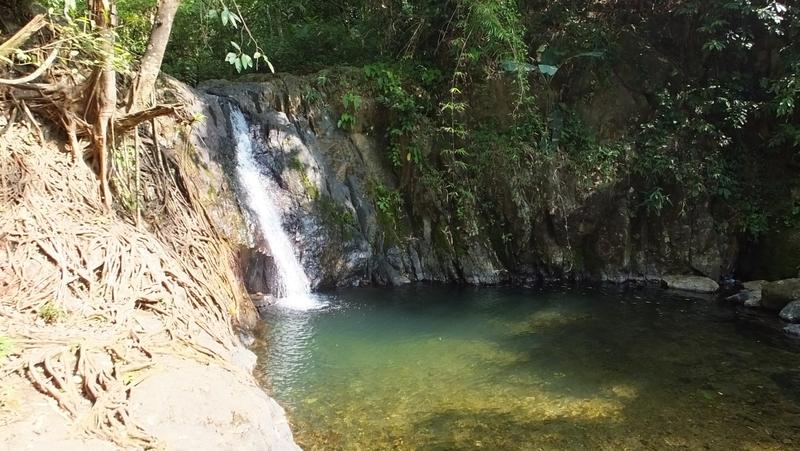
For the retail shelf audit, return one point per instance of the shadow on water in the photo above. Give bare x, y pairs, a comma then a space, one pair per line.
437, 368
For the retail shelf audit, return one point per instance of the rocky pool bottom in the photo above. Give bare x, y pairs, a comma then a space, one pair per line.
441, 368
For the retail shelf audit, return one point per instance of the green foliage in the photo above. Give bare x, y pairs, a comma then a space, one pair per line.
404, 107
656, 200
6, 346
51, 312
351, 102
721, 109
388, 201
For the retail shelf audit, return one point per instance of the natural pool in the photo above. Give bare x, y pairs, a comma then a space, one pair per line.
442, 368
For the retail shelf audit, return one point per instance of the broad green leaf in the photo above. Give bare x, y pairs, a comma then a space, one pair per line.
593, 54
547, 69
247, 62
238, 64
516, 67
230, 57
224, 15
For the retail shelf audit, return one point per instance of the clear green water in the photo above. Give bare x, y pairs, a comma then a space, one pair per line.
439, 368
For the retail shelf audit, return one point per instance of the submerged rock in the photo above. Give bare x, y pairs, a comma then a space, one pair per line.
697, 284
740, 297
792, 330
750, 296
775, 295
791, 313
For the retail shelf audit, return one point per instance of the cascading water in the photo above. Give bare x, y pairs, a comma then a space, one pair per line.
294, 285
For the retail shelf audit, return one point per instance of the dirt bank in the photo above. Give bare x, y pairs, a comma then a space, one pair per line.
117, 335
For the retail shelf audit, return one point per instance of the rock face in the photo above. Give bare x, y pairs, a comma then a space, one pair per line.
697, 284
791, 313
336, 189
775, 295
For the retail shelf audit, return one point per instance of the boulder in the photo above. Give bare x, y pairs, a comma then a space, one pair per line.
775, 295
739, 298
793, 330
791, 313
753, 301
697, 284
754, 285
750, 296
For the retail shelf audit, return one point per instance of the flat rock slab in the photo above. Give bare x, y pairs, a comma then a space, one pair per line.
775, 295
192, 406
697, 284
791, 313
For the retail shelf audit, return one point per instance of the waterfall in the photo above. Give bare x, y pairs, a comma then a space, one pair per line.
295, 288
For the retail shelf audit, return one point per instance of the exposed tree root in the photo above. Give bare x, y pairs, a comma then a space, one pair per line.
91, 300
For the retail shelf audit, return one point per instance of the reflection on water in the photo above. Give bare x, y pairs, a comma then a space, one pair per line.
461, 368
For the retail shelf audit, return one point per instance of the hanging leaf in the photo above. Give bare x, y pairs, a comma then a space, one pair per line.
271, 69
238, 64
247, 62
225, 15
594, 54
236, 46
547, 69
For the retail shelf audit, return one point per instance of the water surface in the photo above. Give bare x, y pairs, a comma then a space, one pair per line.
437, 368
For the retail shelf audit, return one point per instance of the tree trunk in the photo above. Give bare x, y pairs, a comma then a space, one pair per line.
150, 65
104, 14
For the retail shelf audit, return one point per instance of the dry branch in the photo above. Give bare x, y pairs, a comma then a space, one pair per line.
130, 121
21, 36
35, 74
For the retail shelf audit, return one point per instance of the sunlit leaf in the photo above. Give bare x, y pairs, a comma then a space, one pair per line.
247, 62
547, 69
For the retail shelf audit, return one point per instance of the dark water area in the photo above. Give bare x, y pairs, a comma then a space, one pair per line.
444, 368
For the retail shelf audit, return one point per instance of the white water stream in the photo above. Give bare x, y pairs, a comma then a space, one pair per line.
295, 288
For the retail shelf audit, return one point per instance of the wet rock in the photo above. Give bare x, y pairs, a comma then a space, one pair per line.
262, 301
754, 285
740, 297
793, 330
753, 302
246, 338
750, 296
775, 295
791, 313
697, 284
